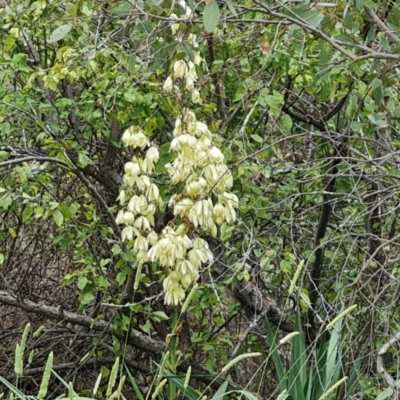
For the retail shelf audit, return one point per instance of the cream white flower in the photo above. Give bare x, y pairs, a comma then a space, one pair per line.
141, 244
185, 267
230, 199
153, 192
128, 218
168, 84
127, 233
203, 249
142, 224
192, 39
215, 155
132, 169
152, 238
219, 177
186, 281
192, 74
143, 182
202, 128
183, 207
197, 58
174, 27
196, 188
137, 204
151, 208
141, 257
135, 137
120, 217
126, 137
153, 154
204, 142
180, 69
178, 128
174, 294
189, 116
189, 85
196, 97
122, 197
182, 141
129, 180
219, 212
201, 213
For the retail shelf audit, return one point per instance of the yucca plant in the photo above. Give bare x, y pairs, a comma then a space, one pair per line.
312, 375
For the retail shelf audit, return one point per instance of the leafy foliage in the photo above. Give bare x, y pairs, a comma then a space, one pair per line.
298, 107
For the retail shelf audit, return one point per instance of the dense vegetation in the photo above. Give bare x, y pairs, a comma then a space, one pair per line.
199, 199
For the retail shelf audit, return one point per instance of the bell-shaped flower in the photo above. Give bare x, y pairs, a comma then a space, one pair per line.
127, 233
183, 207
219, 214
192, 40
204, 142
189, 84
152, 238
132, 169
128, 218
197, 58
153, 192
178, 128
180, 69
143, 182
174, 295
129, 180
153, 154
141, 244
142, 224
174, 27
215, 155
141, 257
196, 98
122, 197
168, 84
120, 217
202, 128
137, 204
204, 252
200, 213
192, 71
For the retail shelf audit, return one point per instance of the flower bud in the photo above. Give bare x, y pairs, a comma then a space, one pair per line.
168, 84
180, 69
215, 155
196, 97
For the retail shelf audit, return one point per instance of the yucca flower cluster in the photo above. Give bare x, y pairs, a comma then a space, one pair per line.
185, 71
201, 166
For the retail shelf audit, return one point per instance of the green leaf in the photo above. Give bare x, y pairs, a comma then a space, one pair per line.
189, 393
219, 394
82, 282
58, 217
231, 8
211, 16
160, 316
257, 138
59, 33
27, 213
84, 160
86, 298
304, 12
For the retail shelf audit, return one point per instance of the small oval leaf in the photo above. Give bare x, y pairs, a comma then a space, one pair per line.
211, 16
59, 33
